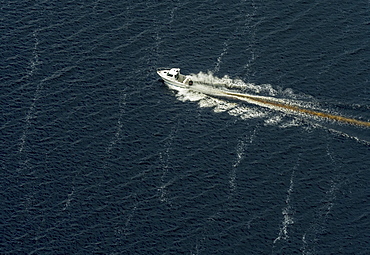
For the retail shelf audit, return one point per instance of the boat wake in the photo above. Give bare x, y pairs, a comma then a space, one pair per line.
275, 106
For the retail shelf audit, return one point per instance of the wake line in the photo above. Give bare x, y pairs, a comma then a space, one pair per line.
266, 101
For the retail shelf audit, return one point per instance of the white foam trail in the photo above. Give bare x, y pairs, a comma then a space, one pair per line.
34, 62
274, 120
287, 213
164, 158
277, 107
129, 219
245, 112
208, 92
212, 81
31, 114
219, 59
35, 59
69, 199
340, 133
310, 237
189, 95
120, 122
245, 27
241, 148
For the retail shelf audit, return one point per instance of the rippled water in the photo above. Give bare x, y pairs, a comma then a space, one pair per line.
100, 157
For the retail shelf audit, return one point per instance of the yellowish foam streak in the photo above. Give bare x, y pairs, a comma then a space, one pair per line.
298, 109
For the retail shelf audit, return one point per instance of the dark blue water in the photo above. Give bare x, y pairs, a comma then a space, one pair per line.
97, 156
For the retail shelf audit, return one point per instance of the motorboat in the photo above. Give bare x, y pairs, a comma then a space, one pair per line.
173, 77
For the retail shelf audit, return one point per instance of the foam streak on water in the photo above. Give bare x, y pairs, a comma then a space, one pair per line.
34, 62
241, 148
165, 165
287, 212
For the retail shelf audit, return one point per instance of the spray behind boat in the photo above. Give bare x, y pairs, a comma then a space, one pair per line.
224, 87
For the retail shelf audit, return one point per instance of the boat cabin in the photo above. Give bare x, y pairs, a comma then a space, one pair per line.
174, 72
174, 75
